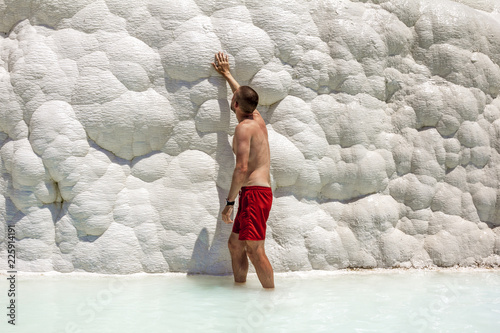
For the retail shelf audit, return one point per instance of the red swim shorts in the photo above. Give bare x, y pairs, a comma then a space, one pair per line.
253, 210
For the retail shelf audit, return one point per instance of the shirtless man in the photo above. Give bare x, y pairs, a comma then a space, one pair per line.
251, 179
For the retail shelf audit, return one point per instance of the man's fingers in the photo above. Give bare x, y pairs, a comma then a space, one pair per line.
221, 57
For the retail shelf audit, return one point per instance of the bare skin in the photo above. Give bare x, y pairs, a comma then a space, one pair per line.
251, 147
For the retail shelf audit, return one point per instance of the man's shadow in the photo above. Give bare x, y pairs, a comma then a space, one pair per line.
214, 258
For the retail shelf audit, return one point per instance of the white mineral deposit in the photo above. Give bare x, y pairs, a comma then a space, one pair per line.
116, 132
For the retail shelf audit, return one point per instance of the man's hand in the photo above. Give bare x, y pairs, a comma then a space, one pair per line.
226, 214
221, 64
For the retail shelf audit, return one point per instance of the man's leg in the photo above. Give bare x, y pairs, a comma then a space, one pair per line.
239, 259
257, 254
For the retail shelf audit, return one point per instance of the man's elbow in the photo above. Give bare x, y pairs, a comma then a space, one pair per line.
241, 169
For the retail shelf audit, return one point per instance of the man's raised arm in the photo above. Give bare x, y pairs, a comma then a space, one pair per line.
221, 65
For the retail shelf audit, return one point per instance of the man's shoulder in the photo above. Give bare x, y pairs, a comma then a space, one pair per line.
241, 127
246, 128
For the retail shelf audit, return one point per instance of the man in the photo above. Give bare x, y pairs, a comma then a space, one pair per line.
251, 179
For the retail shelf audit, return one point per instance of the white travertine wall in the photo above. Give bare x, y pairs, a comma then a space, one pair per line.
383, 118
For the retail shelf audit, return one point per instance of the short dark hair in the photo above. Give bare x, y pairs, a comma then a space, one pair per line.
247, 99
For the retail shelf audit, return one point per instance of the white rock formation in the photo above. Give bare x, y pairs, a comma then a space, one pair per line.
115, 131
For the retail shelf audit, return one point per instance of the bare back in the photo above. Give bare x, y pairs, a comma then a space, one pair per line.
259, 159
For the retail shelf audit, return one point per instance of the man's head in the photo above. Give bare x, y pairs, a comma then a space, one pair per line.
246, 99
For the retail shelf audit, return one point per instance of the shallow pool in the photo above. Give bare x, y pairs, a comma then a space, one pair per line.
342, 301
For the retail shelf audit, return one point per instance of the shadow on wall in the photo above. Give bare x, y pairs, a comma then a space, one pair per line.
212, 258
215, 258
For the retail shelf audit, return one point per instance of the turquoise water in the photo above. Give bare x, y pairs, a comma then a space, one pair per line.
343, 301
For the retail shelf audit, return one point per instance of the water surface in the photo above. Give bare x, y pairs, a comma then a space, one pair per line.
342, 301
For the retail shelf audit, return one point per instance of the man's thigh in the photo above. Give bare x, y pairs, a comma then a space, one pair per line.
235, 243
254, 246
